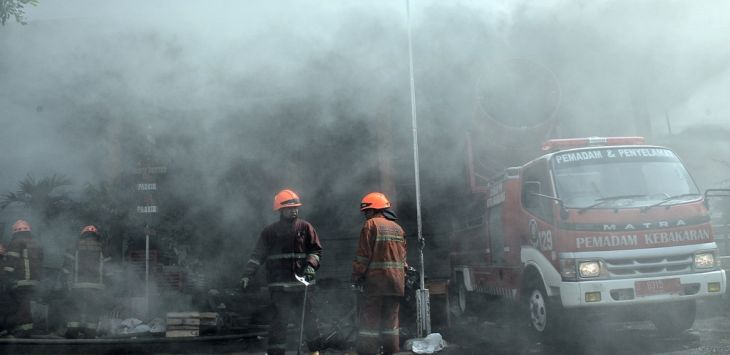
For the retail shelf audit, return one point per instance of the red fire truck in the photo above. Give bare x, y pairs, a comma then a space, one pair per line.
594, 225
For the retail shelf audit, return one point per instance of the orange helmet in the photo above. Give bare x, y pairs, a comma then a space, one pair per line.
21, 226
374, 200
286, 198
89, 229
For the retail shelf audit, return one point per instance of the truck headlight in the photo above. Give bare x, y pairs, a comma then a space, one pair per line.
704, 260
589, 269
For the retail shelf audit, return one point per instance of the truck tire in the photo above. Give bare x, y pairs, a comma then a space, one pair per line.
674, 318
542, 312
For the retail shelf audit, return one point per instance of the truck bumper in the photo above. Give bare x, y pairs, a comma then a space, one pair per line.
601, 293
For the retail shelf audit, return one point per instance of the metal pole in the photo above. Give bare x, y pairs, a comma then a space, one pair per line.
146, 271
669, 122
301, 323
304, 309
422, 297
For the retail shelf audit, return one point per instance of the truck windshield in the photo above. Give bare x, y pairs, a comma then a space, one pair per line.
640, 176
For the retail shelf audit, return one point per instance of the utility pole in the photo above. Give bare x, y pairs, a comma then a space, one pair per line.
422, 297
669, 122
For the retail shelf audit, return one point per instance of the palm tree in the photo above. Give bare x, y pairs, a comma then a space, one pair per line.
14, 8
106, 204
41, 196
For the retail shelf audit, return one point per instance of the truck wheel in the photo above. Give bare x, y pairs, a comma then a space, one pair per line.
674, 318
541, 310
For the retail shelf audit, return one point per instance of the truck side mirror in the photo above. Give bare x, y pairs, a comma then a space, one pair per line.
714, 193
530, 189
563, 211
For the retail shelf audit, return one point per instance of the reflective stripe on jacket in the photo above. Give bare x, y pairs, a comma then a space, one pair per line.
381, 257
285, 248
85, 265
23, 261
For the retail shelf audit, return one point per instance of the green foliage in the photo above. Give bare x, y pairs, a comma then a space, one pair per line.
182, 230
106, 205
14, 8
41, 196
186, 231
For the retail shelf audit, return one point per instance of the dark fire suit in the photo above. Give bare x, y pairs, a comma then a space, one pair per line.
84, 269
379, 266
22, 275
7, 304
287, 248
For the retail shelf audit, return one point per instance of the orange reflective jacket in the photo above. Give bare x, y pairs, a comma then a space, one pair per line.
381, 257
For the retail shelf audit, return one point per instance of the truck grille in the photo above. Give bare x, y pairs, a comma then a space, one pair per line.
649, 266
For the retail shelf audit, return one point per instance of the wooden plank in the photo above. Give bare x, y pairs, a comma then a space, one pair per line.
183, 315
181, 333
185, 321
183, 327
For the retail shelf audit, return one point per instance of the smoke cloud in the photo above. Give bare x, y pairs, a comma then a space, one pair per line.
239, 100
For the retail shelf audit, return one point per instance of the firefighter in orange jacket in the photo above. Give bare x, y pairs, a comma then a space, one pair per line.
288, 247
84, 269
22, 274
379, 267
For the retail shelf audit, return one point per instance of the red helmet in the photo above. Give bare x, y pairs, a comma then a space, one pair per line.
286, 198
89, 229
374, 200
21, 226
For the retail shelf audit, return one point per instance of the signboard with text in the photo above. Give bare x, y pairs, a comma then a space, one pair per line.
146, 188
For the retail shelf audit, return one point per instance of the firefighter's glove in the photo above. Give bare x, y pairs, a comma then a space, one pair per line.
309, 273
244, 283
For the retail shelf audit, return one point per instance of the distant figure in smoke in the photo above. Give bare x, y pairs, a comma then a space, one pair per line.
84, 269
289, 247
379, 269
6, 301
21, 276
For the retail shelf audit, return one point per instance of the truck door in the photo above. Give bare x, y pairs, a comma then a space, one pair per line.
539, 228
496, 235
719, 205
494, 214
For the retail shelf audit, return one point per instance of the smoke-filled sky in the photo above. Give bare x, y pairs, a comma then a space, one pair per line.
134, 59
245, 98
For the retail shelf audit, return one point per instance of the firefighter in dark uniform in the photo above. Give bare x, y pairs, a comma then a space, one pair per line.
84, 269
22, 275
379, 268
6, 301
287, 248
